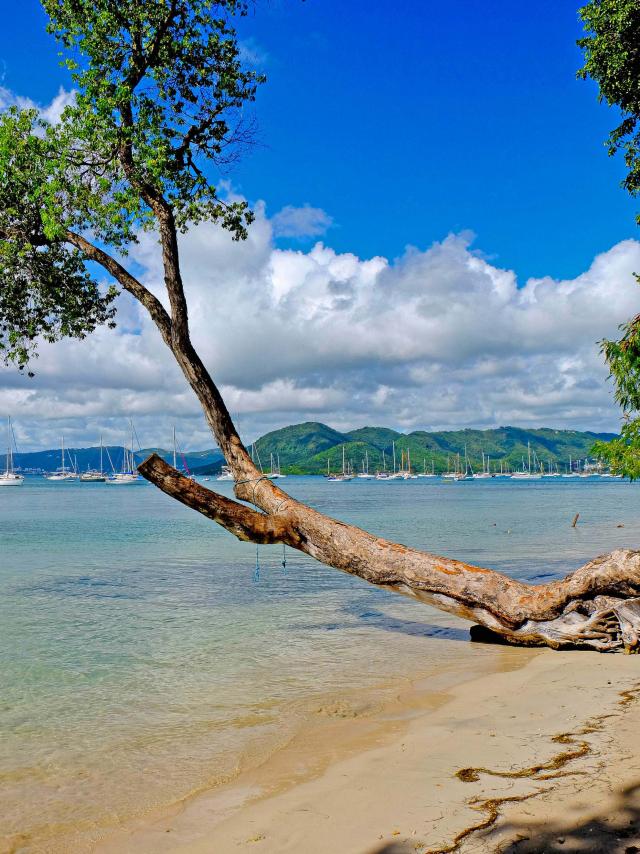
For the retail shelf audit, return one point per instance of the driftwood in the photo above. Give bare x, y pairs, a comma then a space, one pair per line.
597, 606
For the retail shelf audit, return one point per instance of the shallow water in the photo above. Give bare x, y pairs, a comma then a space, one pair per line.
143, 658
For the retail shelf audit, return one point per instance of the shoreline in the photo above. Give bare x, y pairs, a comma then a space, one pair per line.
366, 781
330, 726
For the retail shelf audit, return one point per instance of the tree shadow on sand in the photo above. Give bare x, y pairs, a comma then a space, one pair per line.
613, 830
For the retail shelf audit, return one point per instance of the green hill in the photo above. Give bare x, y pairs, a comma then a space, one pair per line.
306, 448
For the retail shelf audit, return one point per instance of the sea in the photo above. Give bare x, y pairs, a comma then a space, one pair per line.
147, 655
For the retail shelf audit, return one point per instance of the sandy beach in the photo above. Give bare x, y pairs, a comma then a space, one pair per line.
541, 755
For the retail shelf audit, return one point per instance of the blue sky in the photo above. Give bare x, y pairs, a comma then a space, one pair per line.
382, 127
405, 122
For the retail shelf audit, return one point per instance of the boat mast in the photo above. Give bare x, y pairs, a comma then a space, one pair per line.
9, 448
174, 448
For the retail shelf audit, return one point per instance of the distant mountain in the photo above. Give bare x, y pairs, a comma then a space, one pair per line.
85, 458
306, 448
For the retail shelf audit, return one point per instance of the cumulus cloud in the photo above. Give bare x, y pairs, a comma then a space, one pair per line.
50, 112
440, 338
301, 222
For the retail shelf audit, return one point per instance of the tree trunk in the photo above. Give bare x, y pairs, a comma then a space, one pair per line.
597, 606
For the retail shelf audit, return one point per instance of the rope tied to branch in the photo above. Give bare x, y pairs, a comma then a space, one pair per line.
255, 481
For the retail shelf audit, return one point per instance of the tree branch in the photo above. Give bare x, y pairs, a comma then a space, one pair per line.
243, 522
128, 282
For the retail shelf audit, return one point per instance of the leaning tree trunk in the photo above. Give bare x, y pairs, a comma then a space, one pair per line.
597, 606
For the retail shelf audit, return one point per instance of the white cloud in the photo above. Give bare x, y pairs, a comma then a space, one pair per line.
440, 338
252, 53
301, 222
50, 112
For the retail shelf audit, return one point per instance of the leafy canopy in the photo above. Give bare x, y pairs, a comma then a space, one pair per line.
159, 102
611, 49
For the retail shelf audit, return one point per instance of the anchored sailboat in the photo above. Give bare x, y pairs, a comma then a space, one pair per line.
10, 477
346, 475
62, 473
424, 472
93, 475
275, 472
486, 469
128, 474
527, 473
364, 474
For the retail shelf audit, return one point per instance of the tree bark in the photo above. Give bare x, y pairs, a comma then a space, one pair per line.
597, 606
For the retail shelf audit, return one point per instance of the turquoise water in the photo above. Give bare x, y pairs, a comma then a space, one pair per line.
142, 659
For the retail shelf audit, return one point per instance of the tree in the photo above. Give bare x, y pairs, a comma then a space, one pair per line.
612, 60
160, 88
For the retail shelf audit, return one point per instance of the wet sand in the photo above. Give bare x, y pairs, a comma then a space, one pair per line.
542, 753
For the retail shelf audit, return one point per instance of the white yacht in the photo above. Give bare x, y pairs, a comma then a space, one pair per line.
527, 473
128, 473
424, 472
93, 475
383, 474
10, 477
344, 476
459, 473
486, 469
364, 474
225, 473
62, 473
275, 472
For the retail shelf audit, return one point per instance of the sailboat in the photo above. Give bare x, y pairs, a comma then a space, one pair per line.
396, 475
128, 474
459, 473
504, 471
526, 473
93, 475
467, 474
407, 473
486, 469
384, 474
552, 470
424, 472
345, 473
186, 470
10, 477
62, 473
450, 474
275, 468
364, 474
